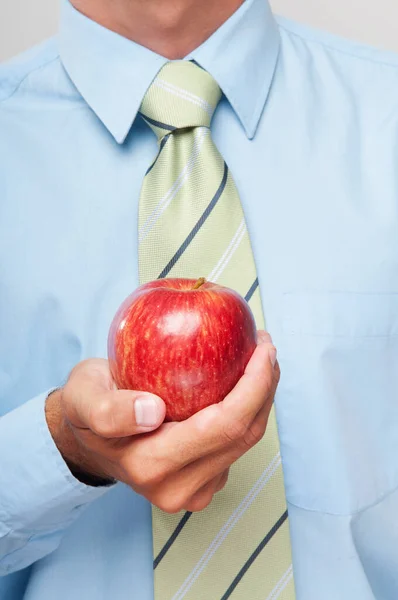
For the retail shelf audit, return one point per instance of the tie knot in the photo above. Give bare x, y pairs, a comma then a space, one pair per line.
182, 95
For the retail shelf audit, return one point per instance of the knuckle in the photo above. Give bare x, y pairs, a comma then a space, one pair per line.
254, 434
169, 503
66, 397
265, 382
145, 477
101, 418
277, 373
199, 502
144, 472
80, 368
235, 430
223, 481
154, 478
139, 476
221, 485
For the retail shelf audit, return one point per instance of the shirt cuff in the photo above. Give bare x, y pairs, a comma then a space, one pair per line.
38, 491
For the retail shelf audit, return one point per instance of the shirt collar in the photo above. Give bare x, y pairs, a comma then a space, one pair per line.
113, 73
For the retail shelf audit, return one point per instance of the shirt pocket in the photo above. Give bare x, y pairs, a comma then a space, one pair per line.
337, 403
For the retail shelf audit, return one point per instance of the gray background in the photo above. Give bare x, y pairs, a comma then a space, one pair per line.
26, 22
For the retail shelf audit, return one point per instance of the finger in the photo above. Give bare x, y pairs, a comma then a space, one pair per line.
176, 484
195, 475
263, 336
113, 414
258, 427
202, 498
222, 481
198, 474
219, 425
251, 392
266, 408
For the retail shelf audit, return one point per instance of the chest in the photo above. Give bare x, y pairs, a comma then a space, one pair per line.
322, 218
322, 211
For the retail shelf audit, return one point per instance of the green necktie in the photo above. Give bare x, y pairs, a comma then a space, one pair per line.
191, 224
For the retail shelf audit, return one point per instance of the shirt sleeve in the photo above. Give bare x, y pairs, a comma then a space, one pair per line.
39, 497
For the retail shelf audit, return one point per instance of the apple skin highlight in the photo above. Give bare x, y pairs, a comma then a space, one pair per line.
186, 340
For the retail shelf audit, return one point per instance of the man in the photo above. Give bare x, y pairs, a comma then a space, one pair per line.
307, 125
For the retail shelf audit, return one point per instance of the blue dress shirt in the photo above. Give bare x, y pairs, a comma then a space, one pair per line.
309, 128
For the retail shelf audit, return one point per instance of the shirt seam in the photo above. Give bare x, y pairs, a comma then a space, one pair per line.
5, 560
329, 46
35, 70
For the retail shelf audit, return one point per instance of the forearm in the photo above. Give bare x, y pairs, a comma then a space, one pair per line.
39, 496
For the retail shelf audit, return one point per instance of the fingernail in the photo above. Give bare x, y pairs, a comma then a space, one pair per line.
264, 337
272, 356
146, 411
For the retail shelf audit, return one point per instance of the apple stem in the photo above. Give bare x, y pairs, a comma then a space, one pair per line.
199, 282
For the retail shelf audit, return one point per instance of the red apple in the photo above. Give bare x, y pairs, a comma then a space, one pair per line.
186, 340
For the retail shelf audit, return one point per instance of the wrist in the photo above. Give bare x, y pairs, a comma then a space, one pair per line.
87, 478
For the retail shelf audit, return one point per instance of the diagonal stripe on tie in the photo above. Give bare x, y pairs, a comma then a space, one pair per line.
282, 584
198, 225
191, 224
188, 514
254, 555
225, 531
159, 124
171, 539
161, 146
253, 288
170, 188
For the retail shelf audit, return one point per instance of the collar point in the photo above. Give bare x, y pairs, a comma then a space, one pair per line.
120, 138
250, 131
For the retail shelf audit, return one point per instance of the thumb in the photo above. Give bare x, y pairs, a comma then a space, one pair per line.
122, 413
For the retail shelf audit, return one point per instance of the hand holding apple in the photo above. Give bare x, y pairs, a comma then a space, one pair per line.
178, 465
186, 340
